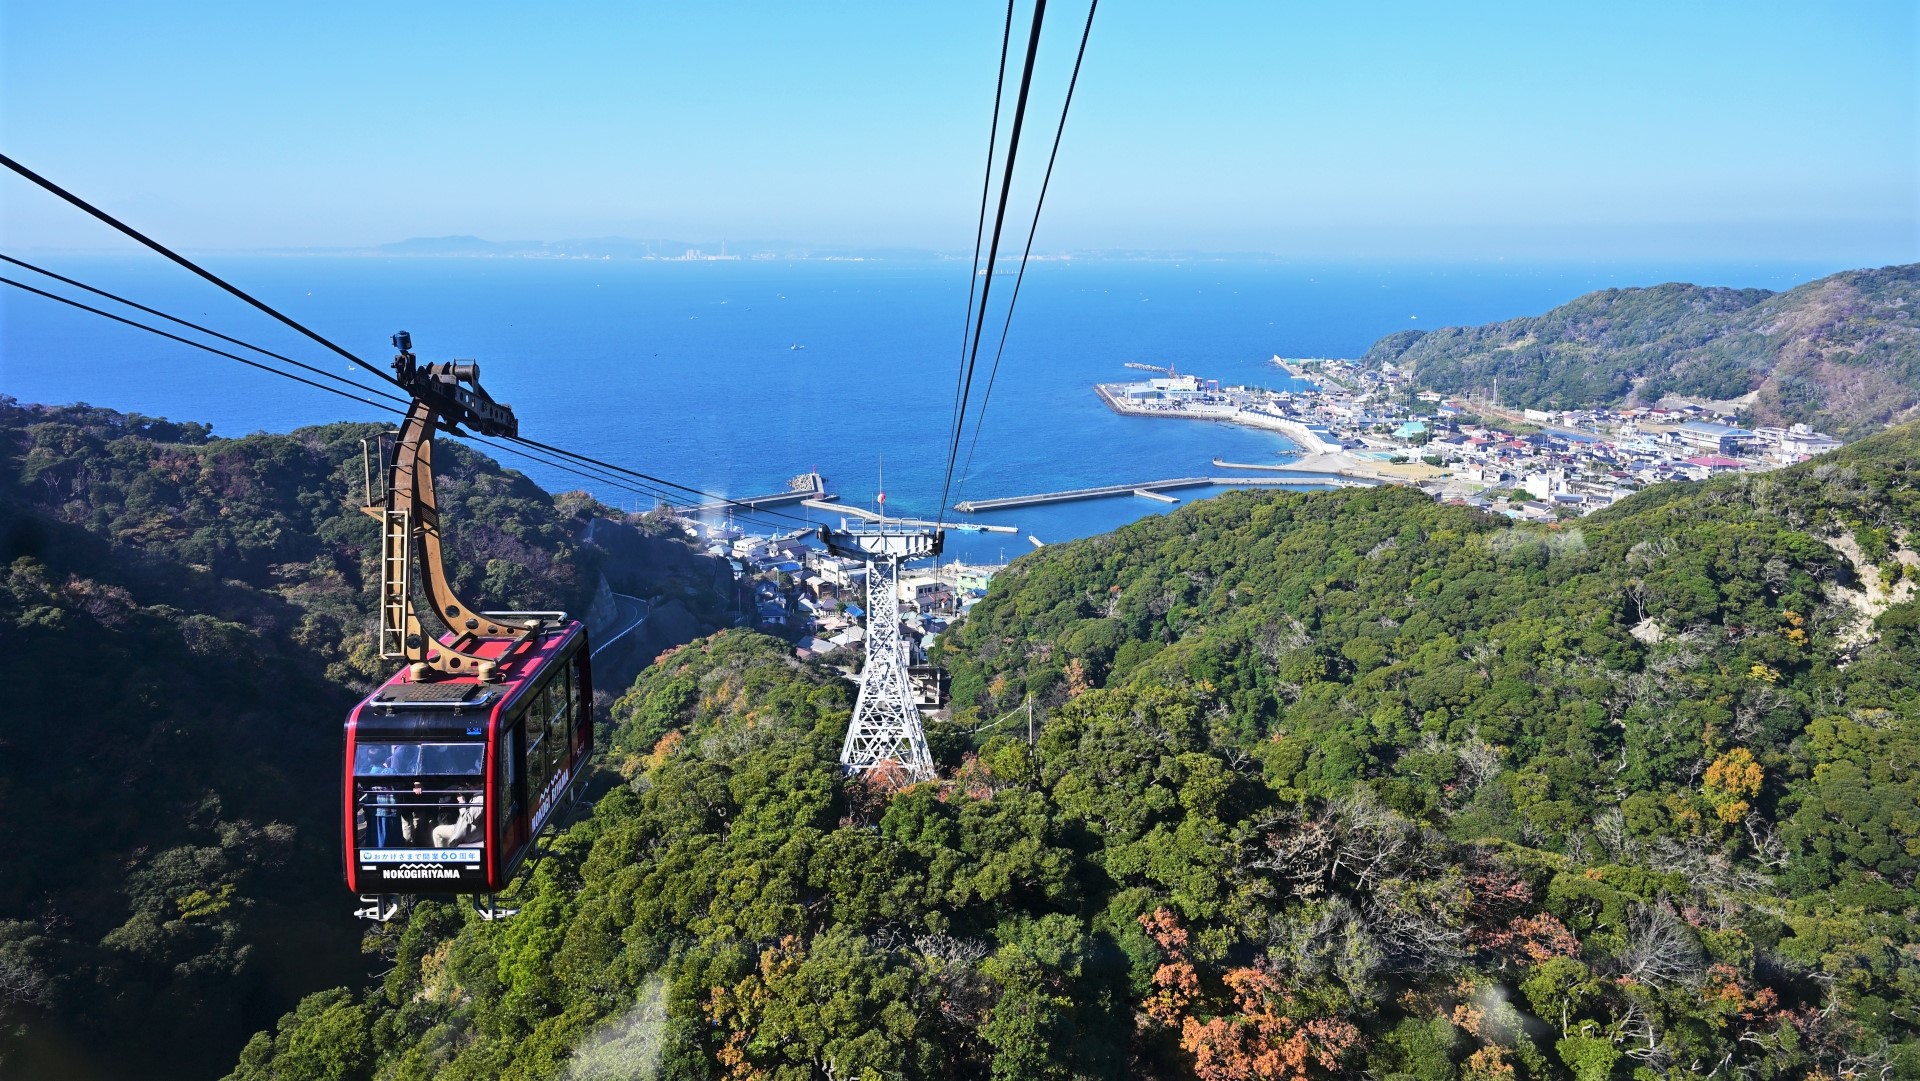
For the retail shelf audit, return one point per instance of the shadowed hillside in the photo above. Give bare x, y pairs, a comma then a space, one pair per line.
186, 623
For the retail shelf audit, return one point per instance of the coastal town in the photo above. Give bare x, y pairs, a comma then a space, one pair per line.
1354, 425
1372, 424
793, 589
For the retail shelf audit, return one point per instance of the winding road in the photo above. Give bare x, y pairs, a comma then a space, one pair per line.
633, 612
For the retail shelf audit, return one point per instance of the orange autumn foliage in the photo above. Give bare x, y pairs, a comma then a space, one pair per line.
1260, 1042
735, 1010
1731, 780
1256, 1042
1175, 984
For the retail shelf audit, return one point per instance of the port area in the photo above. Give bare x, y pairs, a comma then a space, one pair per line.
806, 486
1231, 411
1152, 489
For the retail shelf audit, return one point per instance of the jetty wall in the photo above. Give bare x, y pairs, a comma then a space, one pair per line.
1295, 431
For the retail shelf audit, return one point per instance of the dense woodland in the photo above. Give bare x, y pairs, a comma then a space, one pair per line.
186, 623
1841, 353
1331, 784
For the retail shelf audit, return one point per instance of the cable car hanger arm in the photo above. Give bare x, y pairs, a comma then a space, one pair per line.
447, 397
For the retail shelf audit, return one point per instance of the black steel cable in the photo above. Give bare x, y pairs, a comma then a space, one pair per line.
196, 345
979, 233
678, 503
999, 222
169, 253
390, 402
993, 374
396, 401
44, 272
185, 262
719, 499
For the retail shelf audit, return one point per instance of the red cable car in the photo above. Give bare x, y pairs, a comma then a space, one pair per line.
455, 765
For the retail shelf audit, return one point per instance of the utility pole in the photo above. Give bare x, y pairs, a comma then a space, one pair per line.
1029, 720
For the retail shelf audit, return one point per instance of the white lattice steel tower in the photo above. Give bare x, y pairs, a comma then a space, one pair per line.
886, 723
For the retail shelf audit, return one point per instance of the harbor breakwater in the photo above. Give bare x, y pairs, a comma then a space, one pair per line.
1301, 436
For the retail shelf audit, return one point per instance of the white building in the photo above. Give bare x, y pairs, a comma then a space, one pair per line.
926, 592
843, 573
1713, 438
1543, 486
1801, 441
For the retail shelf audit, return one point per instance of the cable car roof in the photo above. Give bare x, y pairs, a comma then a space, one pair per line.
465, 695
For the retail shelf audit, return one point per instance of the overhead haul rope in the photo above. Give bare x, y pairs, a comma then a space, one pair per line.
979, 233
387, 402
993, 374
130, 231
993, 249
196, 345
199, 271
44, 272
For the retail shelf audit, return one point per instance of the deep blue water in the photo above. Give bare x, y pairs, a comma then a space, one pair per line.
688, 371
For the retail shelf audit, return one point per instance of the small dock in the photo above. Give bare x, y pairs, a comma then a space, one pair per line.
818, 491
1156, 496
1275, 468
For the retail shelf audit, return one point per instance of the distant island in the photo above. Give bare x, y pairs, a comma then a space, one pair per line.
1841, 354
676, 250
657, 250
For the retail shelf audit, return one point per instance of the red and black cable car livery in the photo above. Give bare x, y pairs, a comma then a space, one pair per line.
454, 765
449, 781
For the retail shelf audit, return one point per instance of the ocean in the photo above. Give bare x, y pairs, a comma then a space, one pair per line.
733, 376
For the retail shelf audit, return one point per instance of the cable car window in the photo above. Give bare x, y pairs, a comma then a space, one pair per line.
582, 709
509, 798
569, 711
418, 813
534, 725
558, 714
419, 759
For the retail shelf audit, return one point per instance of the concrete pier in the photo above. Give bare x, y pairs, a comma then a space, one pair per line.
776, 499
866, 515
1144, 494
977, 506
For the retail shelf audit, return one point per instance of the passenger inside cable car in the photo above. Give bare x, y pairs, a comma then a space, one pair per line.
420, 795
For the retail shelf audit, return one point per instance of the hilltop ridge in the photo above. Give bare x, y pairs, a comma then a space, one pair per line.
1841, 353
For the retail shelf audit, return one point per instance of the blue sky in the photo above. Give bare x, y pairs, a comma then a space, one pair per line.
1617, 130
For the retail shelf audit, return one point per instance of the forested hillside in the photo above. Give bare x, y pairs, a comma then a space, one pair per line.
1331, 784
1841, 353
185, 622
